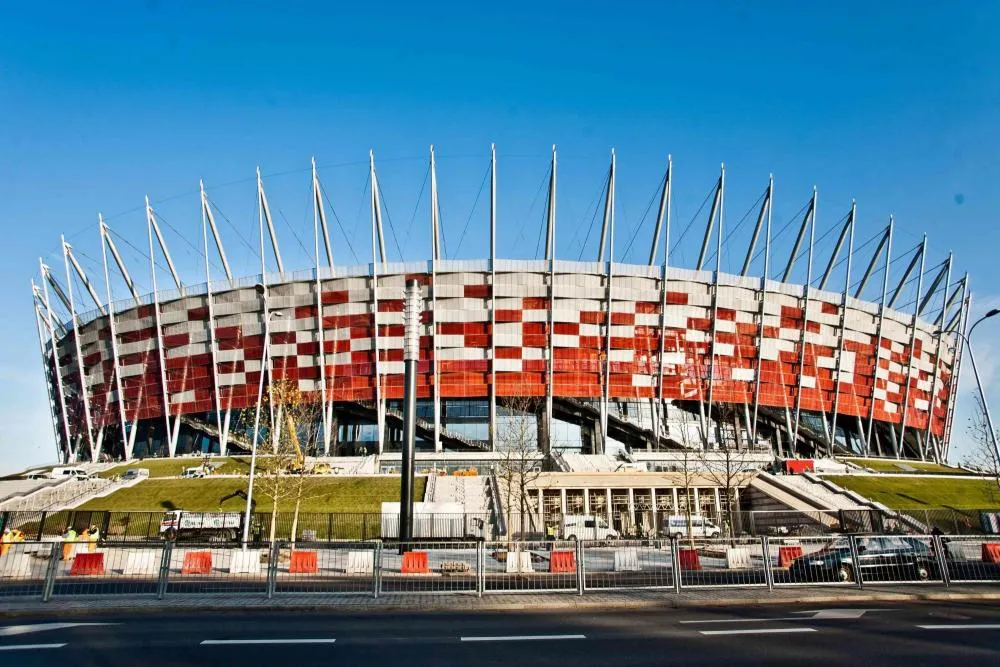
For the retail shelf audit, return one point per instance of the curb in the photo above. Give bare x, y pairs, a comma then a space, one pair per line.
499, 604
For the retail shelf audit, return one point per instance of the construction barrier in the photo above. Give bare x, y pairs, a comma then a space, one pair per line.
991, 552
87, 564
562, 562
518, 562
360, 562
245, 562
786, 555
15, 566
688, 559
415, 562
626, 560
197, 562
738, 558
305, 562
142, 562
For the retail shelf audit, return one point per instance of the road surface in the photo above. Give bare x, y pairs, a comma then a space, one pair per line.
914, 634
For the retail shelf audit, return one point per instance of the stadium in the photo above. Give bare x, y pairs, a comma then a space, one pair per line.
591, 357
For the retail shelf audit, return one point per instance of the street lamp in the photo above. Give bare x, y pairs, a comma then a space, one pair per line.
262, 291
979, 384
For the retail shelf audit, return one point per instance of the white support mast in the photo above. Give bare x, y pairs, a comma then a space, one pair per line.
221, 423
266, 210
320, 212
608, 224
761, 309
127, 430
435, 256
41, 326
84, 397
326, 390
493, 295
803, 340
60, 386
663, 216
720, 198
378, 253
550, 258
151, 228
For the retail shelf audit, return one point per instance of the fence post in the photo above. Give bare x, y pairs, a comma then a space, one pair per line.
272, 568
377, 568
480, 567
581, 581
675, 562
942, 560
50, 572
855, 561
161, 584
765, 545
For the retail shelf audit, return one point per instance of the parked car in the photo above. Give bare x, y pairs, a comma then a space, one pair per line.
677, 526
884, 557
135, 473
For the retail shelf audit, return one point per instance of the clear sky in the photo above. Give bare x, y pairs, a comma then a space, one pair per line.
894, 104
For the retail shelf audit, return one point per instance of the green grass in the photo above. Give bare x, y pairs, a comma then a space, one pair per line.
917, 492
321, 494
174, 467
888, 465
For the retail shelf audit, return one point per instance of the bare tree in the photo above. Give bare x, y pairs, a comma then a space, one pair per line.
729, 465
983, 455
286, 417
518, 465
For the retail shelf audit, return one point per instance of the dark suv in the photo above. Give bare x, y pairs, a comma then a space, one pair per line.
879, 558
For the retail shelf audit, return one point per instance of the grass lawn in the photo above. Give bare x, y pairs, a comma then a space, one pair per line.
174, 467
322, 494
914, 492
889, 465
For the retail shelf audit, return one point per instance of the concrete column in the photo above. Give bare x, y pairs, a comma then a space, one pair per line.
586, 501
631, 506
675, 509
696, 501
610, 511
562, 501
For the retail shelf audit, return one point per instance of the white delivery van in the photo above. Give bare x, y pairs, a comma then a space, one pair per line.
64, 472
587, 527
677, 526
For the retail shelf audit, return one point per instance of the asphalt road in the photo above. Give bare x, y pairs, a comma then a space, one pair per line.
912, 635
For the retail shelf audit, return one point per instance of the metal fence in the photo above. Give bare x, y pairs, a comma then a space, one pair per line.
51, 568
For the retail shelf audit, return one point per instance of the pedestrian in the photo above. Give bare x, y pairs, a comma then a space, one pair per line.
550, 534
93, 536
69, 542
8, 539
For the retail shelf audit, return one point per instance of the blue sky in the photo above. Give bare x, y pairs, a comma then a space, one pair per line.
894, 104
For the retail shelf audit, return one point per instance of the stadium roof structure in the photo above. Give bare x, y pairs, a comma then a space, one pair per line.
595, 355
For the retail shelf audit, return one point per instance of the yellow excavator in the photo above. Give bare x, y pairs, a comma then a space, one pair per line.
298, 466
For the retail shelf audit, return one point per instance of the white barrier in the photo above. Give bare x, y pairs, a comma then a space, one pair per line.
142, 562
15, 565
626, 560
360, 562
245, 562
519, 562
738, 558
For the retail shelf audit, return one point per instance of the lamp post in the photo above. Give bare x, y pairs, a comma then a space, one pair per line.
979, 384
262, 291
411, 354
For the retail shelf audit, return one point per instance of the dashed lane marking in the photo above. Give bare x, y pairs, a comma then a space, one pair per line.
520, 638
29, 647
236, 642
962, 626
756, 631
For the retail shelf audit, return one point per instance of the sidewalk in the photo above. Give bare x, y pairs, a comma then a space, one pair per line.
432, 602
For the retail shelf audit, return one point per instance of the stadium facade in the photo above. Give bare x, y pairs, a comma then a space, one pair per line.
590, 356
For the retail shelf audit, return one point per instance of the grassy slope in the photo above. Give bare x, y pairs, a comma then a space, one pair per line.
886, 465
174, 467
912, 492
322, 494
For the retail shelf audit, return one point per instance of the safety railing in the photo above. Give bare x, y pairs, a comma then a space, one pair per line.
47, 569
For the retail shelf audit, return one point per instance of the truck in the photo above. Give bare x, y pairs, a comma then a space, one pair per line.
213, 526
434, 521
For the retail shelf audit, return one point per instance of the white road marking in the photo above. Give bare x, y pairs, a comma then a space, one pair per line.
742, 620
840, 613
12, 630
520, 638
29, 647
962, 626
227, 642
756, 631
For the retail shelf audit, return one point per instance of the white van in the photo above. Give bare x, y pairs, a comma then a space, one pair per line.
677, 526
587, 527
194, 473
63, 473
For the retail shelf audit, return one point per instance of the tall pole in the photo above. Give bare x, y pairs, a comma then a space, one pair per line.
262, 291
411, 354
979, 384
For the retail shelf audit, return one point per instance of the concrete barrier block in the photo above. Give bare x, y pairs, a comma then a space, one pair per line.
626, 560
245, 562
142, 562
360, 562
738, 558
15, 566
519, 562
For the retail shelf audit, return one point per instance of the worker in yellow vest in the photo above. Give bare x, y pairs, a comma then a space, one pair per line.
8, 539
94, 534
69, 542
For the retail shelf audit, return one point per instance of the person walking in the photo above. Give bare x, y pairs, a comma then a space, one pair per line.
69, 542
93, 535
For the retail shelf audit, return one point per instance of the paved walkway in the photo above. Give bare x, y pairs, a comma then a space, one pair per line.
637, 599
